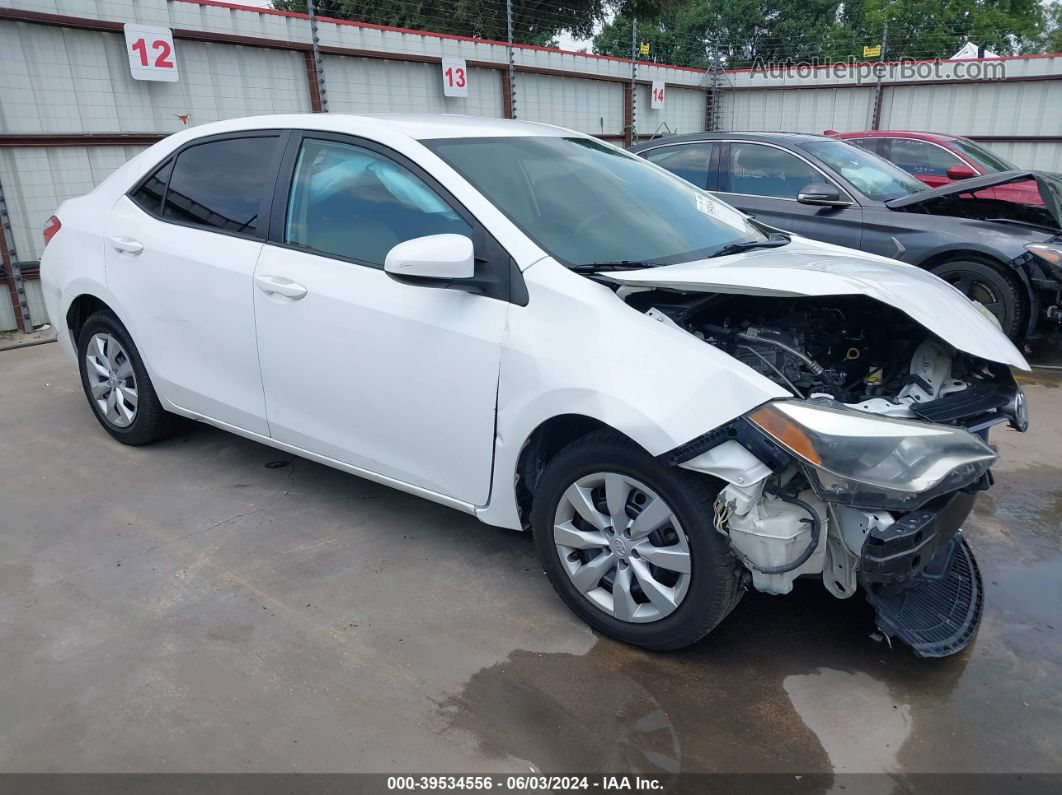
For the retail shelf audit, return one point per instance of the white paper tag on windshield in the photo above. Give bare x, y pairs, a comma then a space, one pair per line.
720, 212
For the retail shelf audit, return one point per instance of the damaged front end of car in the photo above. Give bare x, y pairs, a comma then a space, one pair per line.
820, 490
865, 476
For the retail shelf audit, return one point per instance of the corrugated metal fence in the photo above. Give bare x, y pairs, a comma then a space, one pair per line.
70, 112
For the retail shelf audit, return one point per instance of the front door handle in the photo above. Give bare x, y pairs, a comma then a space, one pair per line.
280, 286
126, 245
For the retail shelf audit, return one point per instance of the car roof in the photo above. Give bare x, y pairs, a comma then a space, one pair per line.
765, 137
419, 126
921, 136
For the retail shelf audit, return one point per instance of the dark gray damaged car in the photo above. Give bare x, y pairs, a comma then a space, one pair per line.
1005, 255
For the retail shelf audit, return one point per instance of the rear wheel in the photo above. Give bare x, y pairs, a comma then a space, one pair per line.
629, 543
999, 292
117, 384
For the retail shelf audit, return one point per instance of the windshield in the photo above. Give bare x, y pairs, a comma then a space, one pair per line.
989, 162
875, 177
585, 202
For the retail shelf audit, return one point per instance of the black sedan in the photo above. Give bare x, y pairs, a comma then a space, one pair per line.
1007, 256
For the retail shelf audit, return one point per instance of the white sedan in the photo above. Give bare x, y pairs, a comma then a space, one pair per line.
542, 330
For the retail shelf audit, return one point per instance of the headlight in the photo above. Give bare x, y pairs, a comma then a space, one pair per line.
874, 462
1051, 254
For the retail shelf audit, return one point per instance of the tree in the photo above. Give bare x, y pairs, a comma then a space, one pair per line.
939, 28
743, 31
1052, 37
534, 21
762, 32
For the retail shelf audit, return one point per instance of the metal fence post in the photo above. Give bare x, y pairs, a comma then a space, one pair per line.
315, 43
9, 258
632, 133
879, 90
711, 110
512, 61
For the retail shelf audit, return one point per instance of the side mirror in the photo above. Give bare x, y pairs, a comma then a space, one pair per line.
822, 194
956, 173
431, 261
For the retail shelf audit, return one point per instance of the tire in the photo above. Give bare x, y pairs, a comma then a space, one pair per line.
710, 590
1000, 292
113, 367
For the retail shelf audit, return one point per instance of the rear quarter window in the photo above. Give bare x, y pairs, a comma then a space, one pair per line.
152, 191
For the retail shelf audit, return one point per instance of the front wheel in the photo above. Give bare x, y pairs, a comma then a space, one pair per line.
628, 543
999, 292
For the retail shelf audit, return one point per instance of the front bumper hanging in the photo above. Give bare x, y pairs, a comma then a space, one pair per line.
940, 615
922, 579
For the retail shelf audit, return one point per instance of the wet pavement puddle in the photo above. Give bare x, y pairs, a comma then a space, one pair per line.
797, 684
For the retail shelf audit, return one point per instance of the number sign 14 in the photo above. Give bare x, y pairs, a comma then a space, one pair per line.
454, 77
657, 97
151, 53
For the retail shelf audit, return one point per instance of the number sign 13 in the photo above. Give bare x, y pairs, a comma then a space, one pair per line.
151, 53
454, 77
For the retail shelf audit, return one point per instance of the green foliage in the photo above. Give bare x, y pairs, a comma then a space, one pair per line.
938, 28
1052, 37
748, 32
534, 21
735, 32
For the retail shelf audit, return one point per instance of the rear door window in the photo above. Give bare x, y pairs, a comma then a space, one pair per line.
223, 185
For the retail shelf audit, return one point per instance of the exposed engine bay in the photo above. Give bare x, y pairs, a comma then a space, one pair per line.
851, 349
786, 519
980, 206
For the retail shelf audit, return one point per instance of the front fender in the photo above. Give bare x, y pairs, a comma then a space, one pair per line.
577, 348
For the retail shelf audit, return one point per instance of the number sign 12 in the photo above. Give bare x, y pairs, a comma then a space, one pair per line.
151, 53
657, 99
454, 77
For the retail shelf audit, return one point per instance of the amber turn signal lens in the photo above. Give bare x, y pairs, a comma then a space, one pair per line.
784, 431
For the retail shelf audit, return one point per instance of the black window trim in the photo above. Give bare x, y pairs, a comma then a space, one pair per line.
281, 134
499, 277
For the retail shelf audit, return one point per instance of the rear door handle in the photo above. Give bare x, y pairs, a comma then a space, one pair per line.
126, 245
280, 286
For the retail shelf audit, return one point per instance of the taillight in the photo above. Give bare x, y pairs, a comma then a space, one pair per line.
51, 226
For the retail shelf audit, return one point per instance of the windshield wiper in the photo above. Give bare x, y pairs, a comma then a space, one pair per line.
622, 265
776, 240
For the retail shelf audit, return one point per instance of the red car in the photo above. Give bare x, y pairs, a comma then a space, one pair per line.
939, 159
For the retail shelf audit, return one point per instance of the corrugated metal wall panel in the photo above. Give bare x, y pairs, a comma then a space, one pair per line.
36, 180
35, 299
372, 85
59, 80
590, 106
798, 111
683, 111
976, 108
1042, 156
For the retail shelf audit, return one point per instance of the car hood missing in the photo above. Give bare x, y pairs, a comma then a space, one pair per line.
1049, 185
807, 268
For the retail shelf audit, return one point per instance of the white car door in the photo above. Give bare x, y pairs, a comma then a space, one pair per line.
396, 379
181, 252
